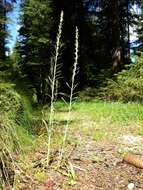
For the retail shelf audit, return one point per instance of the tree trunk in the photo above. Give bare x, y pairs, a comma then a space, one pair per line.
115, 28
117, 60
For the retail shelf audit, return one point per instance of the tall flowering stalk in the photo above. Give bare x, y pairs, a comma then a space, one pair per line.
53, 79
72, 87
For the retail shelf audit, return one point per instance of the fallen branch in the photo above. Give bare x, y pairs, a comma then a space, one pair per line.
133, 160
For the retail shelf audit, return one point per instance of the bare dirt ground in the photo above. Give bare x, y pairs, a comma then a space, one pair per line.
97, 166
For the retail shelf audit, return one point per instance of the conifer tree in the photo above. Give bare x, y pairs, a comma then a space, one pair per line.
104, 38
140, 27
5, 7
35, 44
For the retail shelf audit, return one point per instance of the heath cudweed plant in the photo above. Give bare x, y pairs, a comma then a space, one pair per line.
53, 79
72, 88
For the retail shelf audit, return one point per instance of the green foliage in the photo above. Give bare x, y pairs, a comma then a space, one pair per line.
33, 47
14, 104
103, 35
5, 7
15, 112
140, 27
9, 99
87, 94
128, 84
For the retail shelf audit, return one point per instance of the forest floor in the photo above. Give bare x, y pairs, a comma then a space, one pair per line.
99, 135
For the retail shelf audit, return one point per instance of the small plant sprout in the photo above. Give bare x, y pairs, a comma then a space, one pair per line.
71, 174
72, 87
53, 80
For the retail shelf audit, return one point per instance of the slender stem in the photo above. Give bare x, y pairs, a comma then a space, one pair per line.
71, 93
53, 82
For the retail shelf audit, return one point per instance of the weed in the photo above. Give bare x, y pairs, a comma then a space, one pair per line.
53, 79
72, 88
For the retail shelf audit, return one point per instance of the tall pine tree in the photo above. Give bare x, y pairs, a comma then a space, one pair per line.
5, 7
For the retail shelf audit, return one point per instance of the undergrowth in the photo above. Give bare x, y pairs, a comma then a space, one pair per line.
14, 137
127, 85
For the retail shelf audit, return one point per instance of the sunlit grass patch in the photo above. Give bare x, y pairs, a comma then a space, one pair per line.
104, 120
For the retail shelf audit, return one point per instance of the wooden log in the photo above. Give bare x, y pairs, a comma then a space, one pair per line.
133, 160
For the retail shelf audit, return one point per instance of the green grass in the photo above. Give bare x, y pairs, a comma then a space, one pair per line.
115, 111
104, 120
118, 112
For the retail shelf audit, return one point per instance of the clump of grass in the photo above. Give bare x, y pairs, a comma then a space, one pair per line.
14, 138
9, 143
9, 99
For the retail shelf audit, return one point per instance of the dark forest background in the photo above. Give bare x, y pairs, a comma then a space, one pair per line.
104, 37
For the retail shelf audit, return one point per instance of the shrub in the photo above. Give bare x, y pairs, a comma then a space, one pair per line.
128, 84
9, 99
